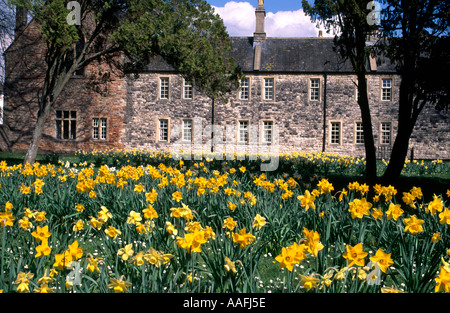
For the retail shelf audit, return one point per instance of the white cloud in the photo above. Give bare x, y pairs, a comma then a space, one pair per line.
239, 18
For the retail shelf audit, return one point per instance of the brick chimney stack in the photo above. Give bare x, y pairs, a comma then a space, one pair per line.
259, 36
21, 21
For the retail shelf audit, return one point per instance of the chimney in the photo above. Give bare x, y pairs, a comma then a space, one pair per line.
320, 34
259, 36
21, 21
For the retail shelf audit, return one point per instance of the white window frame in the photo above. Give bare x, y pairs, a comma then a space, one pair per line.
385, 133
265, 130
164, 88
314, 89
160, 128
187, 130
359, 133
243, 131
269, 89
99, 128
244, 89
386, 90
333, 133
188, 90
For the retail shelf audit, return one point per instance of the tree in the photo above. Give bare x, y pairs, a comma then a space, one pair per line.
7, 25
415, 39
185, 33
348, 19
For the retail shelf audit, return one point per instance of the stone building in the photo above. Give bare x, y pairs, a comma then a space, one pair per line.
297, 95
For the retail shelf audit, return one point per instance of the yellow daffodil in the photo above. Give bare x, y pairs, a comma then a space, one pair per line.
413, 225
383, 259
118, 285
355, 255
258, 222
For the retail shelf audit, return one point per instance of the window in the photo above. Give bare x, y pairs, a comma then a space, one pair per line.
163, 130
385, 133
187, 130
386, 89
267, 135
268, 88
335, 134
66, 124
244, 91
359, 133
164, 88
188, 92
99, 128
243, 132
314, 89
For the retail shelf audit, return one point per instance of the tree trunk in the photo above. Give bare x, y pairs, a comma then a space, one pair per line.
398, 157
406, 121
42, 115
407, 116
212, 123
369, 143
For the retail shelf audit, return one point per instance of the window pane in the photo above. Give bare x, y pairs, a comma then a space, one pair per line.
58, 129
73, 129
268, 88
103, 128
163, 130
267, 131
359, 133
335, 133
164, 88
386, 90
65, 129
385, 133
244, 91
315, 89
58, 114
243, 131
187, 130
188, 94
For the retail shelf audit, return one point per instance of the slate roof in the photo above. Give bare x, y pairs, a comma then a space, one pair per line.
285, 55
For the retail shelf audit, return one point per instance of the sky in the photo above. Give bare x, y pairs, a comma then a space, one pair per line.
284, 18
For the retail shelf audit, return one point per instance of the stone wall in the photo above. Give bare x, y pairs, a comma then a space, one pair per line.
300, 121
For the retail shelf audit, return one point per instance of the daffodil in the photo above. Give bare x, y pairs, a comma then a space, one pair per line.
413, 225
394, 211
435, 206
312, 243
229, 223
126, 252
112, 232
22, 281
134, 217
41, 233
258, 222
119, 285
355, 255
309, 282
43, 249
307, 200
383, 259
444, 217
230, 266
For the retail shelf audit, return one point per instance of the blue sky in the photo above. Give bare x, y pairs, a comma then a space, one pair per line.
284, 18
270, 5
